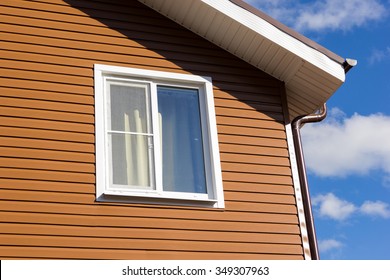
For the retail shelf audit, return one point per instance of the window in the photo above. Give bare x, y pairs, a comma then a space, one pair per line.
156, 138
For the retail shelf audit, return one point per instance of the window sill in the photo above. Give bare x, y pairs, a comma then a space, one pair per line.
167, 198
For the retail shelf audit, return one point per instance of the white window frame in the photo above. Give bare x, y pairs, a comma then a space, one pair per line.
214, 197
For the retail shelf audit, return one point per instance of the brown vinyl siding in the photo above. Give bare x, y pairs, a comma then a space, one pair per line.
47, 169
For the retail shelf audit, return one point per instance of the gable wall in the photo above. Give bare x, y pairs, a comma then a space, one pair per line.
47, 181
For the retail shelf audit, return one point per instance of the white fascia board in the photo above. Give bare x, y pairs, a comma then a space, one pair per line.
277, 36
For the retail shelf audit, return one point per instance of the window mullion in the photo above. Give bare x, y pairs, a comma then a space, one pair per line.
157, 137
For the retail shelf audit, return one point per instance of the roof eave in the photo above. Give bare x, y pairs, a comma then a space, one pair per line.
311, 74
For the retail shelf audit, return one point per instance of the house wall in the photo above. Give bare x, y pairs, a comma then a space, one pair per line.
47, 171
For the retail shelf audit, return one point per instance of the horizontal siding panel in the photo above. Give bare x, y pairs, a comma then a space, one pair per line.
46, 59
248, 106
44, 196
247, 114
51, 44
12, 63
52, 35
258, 187
252, 168
55, 56
55, 145
129, 58
45, 86
142, 244
32, 113
69, 8
48, 134
39, 59
39, 185
64, 98
117, 49
135, 28
142, 211
66, 9
262, 207
151, 223
105, 254
259, 197
240, 121
118, 18
51, 15
255, 178
253, 150
246, 88
57, 63
264, 93
47, 165
44, 76
253, 141
46, 124
259, 206
47, 172
18, 61
79, 198
102, 57
57, 176
256, 132
139, 233
44, 154
254, 159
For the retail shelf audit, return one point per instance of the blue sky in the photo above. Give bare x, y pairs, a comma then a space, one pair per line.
348, 154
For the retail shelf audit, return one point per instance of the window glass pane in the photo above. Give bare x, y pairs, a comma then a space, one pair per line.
181, 138
129, 132
132, 160
129, 108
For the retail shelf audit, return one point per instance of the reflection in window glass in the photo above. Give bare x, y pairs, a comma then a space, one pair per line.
181, 140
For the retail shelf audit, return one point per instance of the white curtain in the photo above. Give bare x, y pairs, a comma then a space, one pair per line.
131, 134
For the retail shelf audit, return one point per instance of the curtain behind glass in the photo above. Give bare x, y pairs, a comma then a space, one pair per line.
130, 131
182, 145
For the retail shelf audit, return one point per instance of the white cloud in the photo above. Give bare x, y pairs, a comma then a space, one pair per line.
333, 207
321, 15
376, 208
378, 56
336, 14
342, 146
330, 206
329, 245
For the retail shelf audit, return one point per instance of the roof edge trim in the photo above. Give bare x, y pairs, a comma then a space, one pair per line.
280, 37
289, 30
